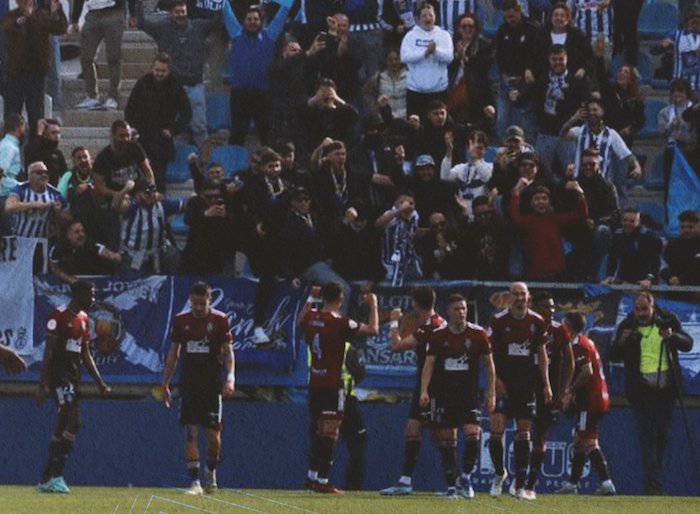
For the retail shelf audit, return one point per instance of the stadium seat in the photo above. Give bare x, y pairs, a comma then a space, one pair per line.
491, 152
651, 112
178, 226
652, 209
218, 112
178, 169
490, 26
657, 19
655, 178
233, 158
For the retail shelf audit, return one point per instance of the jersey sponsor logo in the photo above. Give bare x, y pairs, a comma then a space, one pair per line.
519, 349
457, 364
73, 345
319, 372
198, 346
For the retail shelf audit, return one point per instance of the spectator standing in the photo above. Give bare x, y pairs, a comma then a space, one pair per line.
329, 116
104, 21
557, 96
635, 257
11, 152
354, 248
517, 62
76, 181
471, 100
595, 19
430, 193
625, 24
159, 109
366, 34
185, 41
74, 254
28, 31
399, 253
648, 342
439, 251
427, 135
682, 254
388, 87
44, 148
252, 54
686, 45
427, 50
544, 229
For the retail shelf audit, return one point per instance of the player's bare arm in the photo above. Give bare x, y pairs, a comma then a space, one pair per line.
12, 362
170, 365
567, 371
89, 362
230, 363
372, 328
425, 378
399, 344
490, 368
583, 377
543, 363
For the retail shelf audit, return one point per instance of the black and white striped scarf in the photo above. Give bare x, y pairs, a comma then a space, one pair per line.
601, 142
555, 92
399, 249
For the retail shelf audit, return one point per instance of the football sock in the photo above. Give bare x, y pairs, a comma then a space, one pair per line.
599, 464
536, 460
471, 449
449, 464
577, 466
410, 457
193, 469
53, 454
496, 451
313, 452
522, 459
58, 455
211, 465
325, 454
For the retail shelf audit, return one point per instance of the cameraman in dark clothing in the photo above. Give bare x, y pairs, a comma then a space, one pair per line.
648, 341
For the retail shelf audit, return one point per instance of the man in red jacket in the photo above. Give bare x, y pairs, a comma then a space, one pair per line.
541, 232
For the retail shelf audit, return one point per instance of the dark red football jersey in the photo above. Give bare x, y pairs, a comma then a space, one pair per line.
423, 335
558, 338
326, 334
516, 341
201, 341
71, 330
457, 355
593, 396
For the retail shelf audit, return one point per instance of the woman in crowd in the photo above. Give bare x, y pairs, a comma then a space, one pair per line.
388, 87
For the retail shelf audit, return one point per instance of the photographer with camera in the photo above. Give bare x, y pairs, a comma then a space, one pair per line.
648, 341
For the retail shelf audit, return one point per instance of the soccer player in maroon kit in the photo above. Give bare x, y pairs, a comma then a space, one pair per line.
428, 321
518, 334
452, 370
561, 367
202, 336
589, 399
326, 331
67, 345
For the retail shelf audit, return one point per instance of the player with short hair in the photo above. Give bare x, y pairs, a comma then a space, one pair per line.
452, 368
67, 345
202, 336
518, 334
561, 367
326, 332
589, 400
427, 321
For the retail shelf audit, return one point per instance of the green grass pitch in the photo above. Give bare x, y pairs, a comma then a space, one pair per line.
98, 500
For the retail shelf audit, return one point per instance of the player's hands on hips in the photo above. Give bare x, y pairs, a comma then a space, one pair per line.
424, 399
229, 387
167, 397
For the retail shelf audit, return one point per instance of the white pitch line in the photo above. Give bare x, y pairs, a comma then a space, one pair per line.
238, 491
133, 504
184, 504
148, 504
488, 504
228, 503
115, 509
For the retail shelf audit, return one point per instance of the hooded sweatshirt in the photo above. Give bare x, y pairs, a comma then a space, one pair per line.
427, 74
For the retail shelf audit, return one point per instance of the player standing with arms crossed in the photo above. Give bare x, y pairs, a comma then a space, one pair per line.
589, 399
326, 332
202, 335
452, 364
428, 321
517, 335
67, 345
561, 367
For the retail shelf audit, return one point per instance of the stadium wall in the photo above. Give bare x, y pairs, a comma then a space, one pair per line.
126, 442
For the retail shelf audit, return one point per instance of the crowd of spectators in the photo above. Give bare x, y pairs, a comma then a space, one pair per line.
374, 122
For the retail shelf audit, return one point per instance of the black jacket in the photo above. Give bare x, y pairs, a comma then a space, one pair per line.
41, 149
602, 200
575, 92
683, 259
578, 51
621, 110
302, 245
626, 348
516, 48
636, 256
332, 206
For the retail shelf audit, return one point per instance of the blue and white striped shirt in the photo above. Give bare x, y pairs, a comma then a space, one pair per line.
451, 10
34, 223
144, 229
686, 63
592, 21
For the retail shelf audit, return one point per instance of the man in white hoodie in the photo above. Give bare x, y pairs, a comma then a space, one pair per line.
426, 50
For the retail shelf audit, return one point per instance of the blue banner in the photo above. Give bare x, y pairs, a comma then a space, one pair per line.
685, 187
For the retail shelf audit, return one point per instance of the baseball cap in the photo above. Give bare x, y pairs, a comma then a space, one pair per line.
515, 132
424, 160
